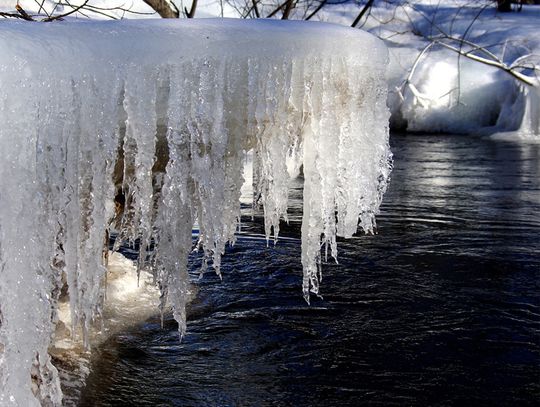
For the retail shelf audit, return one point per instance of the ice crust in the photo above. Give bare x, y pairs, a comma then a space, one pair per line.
173, 107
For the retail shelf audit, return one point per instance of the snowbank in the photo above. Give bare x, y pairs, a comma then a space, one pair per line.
162, 114
449, 92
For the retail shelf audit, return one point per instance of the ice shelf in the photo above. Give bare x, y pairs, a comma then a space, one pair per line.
160, 115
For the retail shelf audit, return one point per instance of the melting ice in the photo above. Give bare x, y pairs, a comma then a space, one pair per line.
157, 117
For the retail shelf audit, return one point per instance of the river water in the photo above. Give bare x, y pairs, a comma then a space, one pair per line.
441, 307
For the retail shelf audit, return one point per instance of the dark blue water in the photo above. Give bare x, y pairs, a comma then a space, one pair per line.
441, 307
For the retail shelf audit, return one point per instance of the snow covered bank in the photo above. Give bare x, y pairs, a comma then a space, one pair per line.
439, 80
162, 113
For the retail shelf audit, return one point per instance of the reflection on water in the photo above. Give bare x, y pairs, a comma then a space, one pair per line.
441, 307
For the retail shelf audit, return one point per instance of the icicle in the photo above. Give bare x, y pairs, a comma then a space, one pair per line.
139, 145
270, 94
88, 110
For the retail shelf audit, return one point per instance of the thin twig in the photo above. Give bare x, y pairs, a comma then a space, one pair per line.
498, 64
362, 12
24, 14
464, 37
61, 16
475, 46
408, 80
11, 15
191, 13
40, 5
319, 7
80, 12
273, 13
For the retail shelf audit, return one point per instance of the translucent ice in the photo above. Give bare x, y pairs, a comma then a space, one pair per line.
162, 114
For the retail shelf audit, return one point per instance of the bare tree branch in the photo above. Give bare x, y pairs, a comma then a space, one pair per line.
273, 13
288, 8
166, 9
191, 13
362, 12
61, 16
498, 64
319, 7
24, 15
40, 5
121, 8
255, 8
12, 15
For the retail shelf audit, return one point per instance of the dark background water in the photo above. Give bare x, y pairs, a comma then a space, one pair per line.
441, 307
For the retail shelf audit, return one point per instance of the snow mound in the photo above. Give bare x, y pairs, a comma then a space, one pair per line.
456, 66
146, 125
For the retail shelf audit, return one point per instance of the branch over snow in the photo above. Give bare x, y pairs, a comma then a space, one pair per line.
24, 15
165, 8
278, 8
61, 16
319, 7
191, 13
288, 8
362, 13
497, 63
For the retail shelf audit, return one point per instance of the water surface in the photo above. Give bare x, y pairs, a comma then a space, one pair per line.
441, 307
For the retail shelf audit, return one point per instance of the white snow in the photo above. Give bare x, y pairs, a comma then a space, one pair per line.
86, 108
448, 92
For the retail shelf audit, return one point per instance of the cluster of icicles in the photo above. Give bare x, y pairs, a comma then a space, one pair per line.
171, 139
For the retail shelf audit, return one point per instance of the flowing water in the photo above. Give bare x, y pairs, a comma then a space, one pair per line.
441, 307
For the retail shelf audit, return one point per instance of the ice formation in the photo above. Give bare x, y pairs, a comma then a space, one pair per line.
165, 111
521, 113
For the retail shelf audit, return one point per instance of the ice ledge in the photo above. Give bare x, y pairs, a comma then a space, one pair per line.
141, 41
